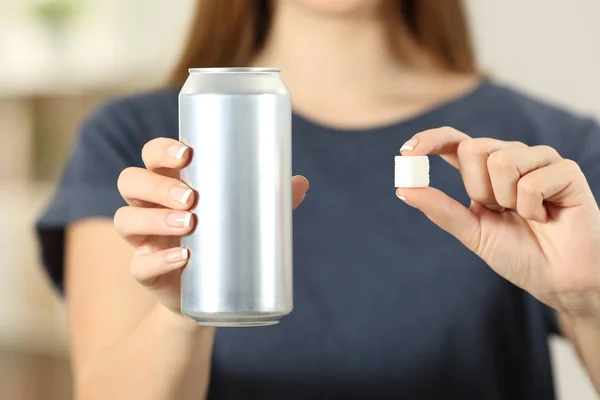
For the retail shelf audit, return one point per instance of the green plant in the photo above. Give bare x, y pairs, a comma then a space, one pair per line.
56, 12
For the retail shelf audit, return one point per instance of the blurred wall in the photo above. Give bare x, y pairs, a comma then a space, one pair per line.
549, 47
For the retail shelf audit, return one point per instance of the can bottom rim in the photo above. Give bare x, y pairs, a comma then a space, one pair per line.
238, 324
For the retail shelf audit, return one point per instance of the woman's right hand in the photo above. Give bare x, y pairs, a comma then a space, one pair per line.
158, 214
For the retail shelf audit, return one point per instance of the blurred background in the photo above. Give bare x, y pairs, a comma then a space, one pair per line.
60, 58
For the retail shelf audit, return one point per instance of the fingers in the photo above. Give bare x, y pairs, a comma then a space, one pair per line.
508, 174
507, 166
165, 153
299, 187
470, 155
473, 156
442, 141
131, 222
445, 212
147, 267
138, 185
561, 183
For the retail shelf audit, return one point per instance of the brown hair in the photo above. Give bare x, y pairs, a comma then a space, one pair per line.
230, 33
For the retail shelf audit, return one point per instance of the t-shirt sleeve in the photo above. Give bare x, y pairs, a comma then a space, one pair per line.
587, 154
88, 187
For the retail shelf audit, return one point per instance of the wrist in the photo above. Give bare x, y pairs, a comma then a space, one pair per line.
582, 309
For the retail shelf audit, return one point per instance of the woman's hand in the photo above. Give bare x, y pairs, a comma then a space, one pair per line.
158, 215
533, 218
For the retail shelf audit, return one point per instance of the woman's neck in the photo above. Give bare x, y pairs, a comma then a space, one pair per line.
342, 55
341, 69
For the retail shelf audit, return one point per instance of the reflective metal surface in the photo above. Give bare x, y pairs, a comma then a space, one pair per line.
238, 124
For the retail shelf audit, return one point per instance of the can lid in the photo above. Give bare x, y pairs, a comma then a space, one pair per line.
238, 70
411, 171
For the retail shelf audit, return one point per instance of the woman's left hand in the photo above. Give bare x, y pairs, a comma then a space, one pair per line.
533, 218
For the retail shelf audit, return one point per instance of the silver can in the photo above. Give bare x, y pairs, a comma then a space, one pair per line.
237, 121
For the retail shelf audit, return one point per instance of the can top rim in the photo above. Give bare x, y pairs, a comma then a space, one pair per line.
231, 70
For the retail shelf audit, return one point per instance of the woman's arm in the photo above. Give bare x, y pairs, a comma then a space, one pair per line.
129, 338
125, 345
533, 219
586, 340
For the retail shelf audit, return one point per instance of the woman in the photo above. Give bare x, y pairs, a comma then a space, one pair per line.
387, 304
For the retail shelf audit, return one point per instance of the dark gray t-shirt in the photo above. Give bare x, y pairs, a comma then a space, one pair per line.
387, 306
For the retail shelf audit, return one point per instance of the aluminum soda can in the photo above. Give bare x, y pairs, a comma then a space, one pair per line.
237, 122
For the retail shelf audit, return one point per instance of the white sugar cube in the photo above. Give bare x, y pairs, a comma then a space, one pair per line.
411, 171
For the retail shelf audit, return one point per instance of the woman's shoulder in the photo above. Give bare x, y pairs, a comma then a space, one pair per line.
145, 115
500, 111
531, 116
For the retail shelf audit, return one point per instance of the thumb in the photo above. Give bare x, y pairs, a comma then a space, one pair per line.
445, 212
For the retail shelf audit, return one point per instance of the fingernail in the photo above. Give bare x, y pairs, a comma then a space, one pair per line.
410, 145
307, 184
177, 256
403, 198
181, 194
495, 207
177, 150
179, 219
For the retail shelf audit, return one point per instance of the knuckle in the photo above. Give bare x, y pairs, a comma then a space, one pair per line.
452, 130
447, 129
526, 186
548, 150
471, 146
162, 186
499, 160
441, 131
517, 143
571, 166
466, 147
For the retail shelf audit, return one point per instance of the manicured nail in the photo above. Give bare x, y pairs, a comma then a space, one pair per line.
181, 194
401, 197
177, 150
179, 219
177, 255
307, 184
410, 145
